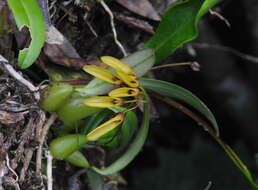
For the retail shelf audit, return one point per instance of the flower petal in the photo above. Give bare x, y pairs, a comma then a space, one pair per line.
128, 79
105, 127
103, 101
117, 65
124, 92
102, 74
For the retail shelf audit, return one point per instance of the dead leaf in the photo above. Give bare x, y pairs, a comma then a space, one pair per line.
140, 7
141, 24
76, 63
58, 45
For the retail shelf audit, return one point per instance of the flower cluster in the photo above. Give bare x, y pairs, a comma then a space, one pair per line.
128, 92
123, 76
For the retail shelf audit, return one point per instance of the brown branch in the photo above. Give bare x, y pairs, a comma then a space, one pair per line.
244, 56
46, 127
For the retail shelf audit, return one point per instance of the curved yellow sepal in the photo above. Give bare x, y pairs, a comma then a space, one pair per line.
117, 65
128, 79
124, 92
102, 74
105, 127
103, 101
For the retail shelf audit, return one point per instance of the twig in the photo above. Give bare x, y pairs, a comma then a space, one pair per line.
52, 6
220, 17
24, 138
26, 164
9, 167
45, 129
40, 124
67, 13
107, 9
49, 171
176, 64
208, 186
247, 57
22, 80
91, 29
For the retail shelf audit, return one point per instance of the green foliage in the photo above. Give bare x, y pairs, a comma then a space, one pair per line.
179, 93
128, 128
28, 13
178, 26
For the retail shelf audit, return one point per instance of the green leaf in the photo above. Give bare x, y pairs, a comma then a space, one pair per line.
128, 128
140, 61
110, 139
179, 93
28, 13
239, 163
178, 26
134, 148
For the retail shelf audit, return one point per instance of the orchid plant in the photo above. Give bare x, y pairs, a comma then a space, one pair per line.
107, 104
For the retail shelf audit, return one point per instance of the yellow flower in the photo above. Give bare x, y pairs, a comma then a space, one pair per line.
102, 74
103, 101
124, 92
128, 79
117, 65
104, 128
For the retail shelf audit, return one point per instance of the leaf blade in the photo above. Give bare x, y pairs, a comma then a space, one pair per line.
29, 13
178, 26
